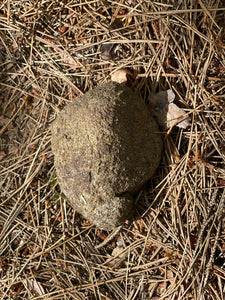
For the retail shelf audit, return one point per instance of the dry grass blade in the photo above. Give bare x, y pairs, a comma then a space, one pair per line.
50, 52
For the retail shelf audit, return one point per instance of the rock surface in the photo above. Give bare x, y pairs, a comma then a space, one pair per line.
106, 146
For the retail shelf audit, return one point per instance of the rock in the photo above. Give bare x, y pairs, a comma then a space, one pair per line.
106, 146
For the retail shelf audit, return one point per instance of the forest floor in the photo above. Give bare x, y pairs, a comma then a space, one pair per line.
52, 51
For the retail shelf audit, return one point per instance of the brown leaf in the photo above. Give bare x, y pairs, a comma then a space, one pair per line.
101, 235
34, 286
141, 227
120, 76
165, 111
123, 76
128, 20
43, 157
176, 116
25, 252
62, 263
18, 288
107, 51
34, 183
118, 252
119, 257
170, 275
2, 155
63, 29
161, 288
87, 223
220, 181
3, 264
37, 94
190, 162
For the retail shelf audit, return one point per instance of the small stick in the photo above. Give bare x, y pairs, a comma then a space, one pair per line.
109, 237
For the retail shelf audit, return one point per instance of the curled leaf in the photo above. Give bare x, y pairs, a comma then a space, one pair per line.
120, 76
176, 115
101, 235
165, 111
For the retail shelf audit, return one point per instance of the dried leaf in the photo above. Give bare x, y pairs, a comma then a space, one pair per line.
176, 115
190, 162
170, 275
101, 235
128, 20
18, 289
166, 112
64, 54
107, 51
2, 155
140, 225
63, 29
119, 255
161, 288
62, 263
25, 252
117, 252
120, 76
34, 286
3, 264
220, 182
87, 223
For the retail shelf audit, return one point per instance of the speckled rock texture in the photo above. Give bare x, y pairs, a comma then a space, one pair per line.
106, 146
